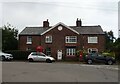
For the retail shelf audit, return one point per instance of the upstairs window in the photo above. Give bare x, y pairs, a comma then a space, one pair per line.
29, 40
92, 39
71, 39
48, 39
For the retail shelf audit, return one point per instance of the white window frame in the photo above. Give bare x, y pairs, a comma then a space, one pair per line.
48, 39
93, 39
92, 49
68, 39
29, 40
28, 49
48, 51
70, 51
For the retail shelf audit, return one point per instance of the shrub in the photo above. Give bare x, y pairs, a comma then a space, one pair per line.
117, 56
84, 53
111, 54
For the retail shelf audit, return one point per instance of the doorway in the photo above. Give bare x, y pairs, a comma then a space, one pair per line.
59, 54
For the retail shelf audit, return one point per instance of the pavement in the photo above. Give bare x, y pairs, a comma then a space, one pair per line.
58, 72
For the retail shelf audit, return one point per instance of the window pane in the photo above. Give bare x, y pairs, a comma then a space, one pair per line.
71, 39
48, 51
92, 40
73, 51
29, 40
70, 51
48, 39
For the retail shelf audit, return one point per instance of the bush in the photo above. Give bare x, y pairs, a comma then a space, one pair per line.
111, 54
19, 55
84, 53
117, 55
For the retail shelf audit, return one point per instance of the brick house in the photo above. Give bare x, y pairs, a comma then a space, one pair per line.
63, 39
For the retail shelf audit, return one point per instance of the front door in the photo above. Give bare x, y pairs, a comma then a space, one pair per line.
59, 54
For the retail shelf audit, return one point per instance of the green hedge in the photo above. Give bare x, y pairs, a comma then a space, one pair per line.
111, 54
117, 55
19, 55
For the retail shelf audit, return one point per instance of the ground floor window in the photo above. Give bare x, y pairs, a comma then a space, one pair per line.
48, 51
28, 49
70, 51
92, 50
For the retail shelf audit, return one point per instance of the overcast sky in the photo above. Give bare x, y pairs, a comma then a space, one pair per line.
22, 13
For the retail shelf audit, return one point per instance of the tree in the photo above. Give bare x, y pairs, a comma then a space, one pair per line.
112, 44
9, 38
109, 40
117, 48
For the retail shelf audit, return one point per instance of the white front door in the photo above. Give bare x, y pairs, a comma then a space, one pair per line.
59, 54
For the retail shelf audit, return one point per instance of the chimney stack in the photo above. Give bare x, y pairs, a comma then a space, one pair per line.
46, 23
78, 23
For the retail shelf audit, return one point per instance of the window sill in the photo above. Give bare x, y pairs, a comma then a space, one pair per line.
49, 42
70, 55
29, 43
71, 42
92, 43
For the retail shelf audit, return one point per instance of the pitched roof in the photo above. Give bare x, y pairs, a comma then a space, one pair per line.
78, 30
33, 31
89, 29
60, 23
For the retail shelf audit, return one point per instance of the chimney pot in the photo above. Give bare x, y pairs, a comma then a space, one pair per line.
78, 23
46, 23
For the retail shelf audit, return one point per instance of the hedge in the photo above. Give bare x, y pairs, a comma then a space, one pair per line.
19, 55
117, 55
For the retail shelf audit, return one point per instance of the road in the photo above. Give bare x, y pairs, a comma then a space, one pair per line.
58, 72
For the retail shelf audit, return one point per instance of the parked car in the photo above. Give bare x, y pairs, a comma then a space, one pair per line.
5, 56
39, 56
95, 57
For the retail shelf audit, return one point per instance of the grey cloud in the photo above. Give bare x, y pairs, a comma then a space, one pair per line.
92, 12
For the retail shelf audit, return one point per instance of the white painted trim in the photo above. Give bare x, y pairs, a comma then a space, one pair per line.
68, 37
93, 41
50, 40
57, 25
28, 42
92, 49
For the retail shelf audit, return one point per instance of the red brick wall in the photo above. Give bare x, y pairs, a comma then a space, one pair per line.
58, 40
36, 40
100, 45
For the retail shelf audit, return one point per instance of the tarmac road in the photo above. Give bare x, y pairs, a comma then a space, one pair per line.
57, 72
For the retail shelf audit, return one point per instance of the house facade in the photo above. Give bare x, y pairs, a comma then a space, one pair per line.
62, 41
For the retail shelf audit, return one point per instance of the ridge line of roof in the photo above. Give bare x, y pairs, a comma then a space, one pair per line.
59, 24
68, 26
